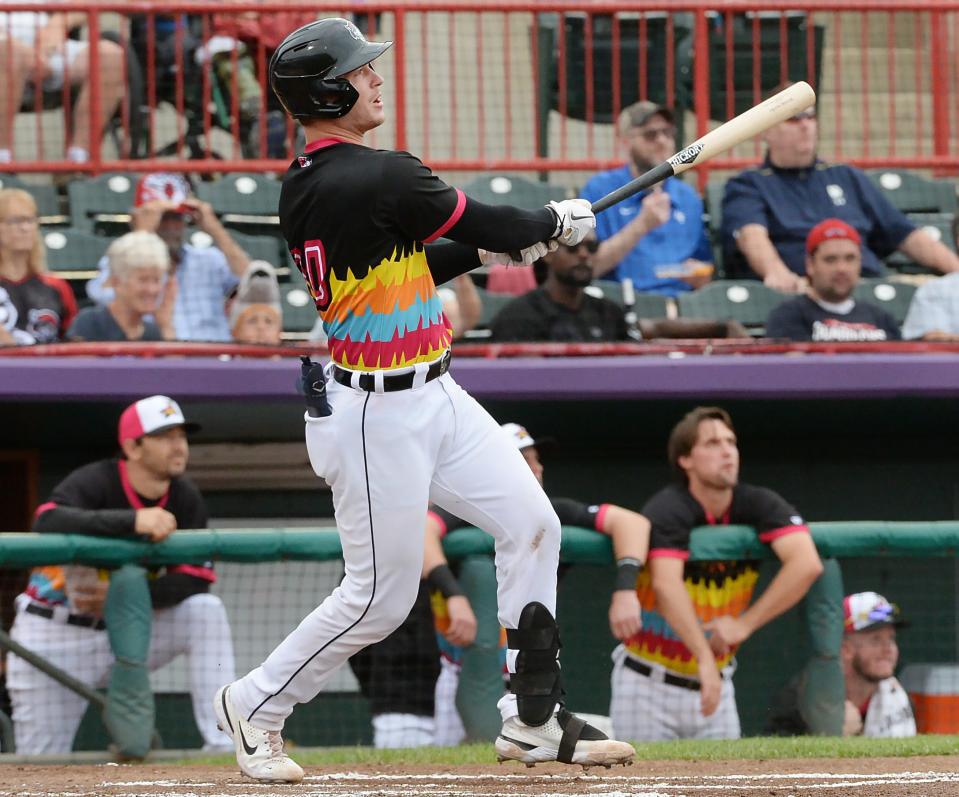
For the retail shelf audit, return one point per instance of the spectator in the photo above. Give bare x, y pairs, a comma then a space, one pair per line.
256, 315
461, 304
561, 310
139, 263
35, 307
34, 49
455, 622
828, 312
656, 238
141, 496
673, 679
204, 276
934, 310
769, 210
876, 703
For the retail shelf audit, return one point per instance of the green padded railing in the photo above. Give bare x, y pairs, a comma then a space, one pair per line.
861, 538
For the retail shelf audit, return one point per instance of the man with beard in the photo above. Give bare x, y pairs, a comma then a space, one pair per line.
673, 678
876, 703
828, 312
655, 238
561, 309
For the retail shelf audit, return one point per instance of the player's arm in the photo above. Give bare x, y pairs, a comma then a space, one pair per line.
629, 532
440, 577
676, 607
179, 582
75, 507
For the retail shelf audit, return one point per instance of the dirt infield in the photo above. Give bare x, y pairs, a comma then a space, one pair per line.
892, 777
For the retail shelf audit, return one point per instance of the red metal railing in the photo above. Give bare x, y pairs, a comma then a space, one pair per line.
533, 86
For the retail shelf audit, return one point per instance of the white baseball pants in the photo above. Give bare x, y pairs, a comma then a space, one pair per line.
46, 714
386, 456
449, 730
644, 708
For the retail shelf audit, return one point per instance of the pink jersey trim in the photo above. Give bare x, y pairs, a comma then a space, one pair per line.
45, 508
672, 553
131, 494
601, 517
194, 570
454, 217
321, 143
775, 534
439, 522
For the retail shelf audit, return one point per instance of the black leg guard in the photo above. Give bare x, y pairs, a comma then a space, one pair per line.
537, 682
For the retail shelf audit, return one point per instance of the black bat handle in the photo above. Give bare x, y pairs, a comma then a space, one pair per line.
641, 183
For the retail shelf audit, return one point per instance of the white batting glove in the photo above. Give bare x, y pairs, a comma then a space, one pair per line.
524, 257
574, 220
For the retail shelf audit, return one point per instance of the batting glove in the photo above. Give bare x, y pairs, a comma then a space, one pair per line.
574, 220
313, 385
524, 257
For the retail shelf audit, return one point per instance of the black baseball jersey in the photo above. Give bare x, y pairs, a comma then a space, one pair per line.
360, 224
715, 588
98, 499
535, 316
37, 309
803, 319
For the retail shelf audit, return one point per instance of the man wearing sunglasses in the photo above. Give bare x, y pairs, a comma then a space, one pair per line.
768, 211
655, 238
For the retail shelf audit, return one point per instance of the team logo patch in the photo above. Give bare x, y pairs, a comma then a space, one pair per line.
354, 32
304, 161
169, 410
836, 194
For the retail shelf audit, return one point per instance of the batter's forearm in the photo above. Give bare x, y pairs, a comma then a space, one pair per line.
502, 228
449, 260
96, 522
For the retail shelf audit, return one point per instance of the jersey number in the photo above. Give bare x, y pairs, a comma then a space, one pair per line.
311, 261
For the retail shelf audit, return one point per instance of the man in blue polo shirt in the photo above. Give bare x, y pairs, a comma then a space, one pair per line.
768, 211
655, 238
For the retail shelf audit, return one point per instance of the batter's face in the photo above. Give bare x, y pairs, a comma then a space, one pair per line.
873, 654
792, 144
833, 269
163, 455
369, 111
531, 455
651, 143
713, 461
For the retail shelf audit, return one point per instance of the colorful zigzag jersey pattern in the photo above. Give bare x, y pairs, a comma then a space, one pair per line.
390, 317
48, 585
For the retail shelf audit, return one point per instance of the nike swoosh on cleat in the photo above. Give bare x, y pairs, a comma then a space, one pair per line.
249, 750
521, 745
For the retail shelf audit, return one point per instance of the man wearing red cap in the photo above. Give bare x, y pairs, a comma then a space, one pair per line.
142, 495
827, 312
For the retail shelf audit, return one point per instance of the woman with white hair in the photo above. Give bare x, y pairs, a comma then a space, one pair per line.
139, 264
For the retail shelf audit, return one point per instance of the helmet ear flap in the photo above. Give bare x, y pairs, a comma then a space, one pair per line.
333, 98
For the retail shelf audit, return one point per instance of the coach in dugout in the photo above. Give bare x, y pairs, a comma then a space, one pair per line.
673, 679
828, 311
768, 211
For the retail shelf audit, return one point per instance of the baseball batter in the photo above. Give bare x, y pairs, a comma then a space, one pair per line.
395, 431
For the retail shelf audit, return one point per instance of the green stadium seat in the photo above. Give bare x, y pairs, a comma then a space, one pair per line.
607, 289
503, 189
44, 194
72, 253
102, 203
937, 225
244, 200
258, 247
913, 193
299, 311
893, 297
492, 304
746, 301
645, 305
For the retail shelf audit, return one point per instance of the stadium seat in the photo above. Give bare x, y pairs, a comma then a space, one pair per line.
45, 195
646, 305
299, 312
492, 304
102, 203
746, 301
893, 297
258, 247
72, 253
503, 189
912, 193
244, 201
937, 225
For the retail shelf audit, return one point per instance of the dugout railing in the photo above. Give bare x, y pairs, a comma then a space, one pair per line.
520, 86
288, 571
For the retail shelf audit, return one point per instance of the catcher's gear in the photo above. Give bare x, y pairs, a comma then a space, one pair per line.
537, 682
306, 71
574, 220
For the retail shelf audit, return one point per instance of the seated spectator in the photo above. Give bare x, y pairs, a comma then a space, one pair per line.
934, 310
204, 276
828, 312
256, 315
876, 703
657, 237
141, 310
141, 496
35, 307
561, 310
35, 50
769, 210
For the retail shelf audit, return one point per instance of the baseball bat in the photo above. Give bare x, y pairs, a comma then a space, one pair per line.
776, 109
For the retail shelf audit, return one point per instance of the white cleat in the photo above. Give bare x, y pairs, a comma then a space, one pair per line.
565, 737
258, 752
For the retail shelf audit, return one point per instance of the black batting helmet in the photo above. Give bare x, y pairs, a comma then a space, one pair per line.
307, 69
